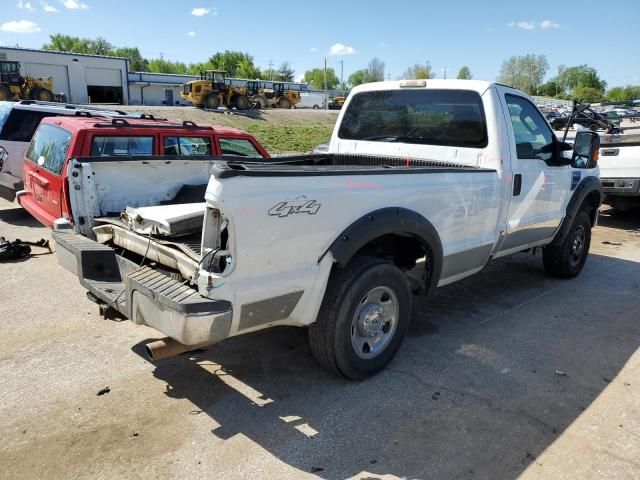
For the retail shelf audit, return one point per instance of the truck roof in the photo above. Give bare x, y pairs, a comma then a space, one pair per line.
77, 123
479, 86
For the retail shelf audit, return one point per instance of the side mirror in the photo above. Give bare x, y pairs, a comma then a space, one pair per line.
585, 150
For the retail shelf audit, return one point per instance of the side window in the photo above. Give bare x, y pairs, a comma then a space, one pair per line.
532, 132
21, 125
190, 146
107, 146
49, 147
238, 146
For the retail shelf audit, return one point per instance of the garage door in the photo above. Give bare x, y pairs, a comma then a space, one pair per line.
103, 77
59, 73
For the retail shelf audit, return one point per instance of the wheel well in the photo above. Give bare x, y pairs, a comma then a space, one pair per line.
407, 252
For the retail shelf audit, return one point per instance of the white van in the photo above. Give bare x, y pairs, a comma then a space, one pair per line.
311, 100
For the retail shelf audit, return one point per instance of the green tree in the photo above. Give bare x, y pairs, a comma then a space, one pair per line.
315, 78
418, 71
624, 94
358, 77
464, 73
587, 94
136, 62
375, 70
68, 43
270, 74
524, 73
286, 73
234, 63
161, 65
570, 78
549, 89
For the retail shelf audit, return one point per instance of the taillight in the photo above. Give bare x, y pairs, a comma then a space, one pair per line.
596, 155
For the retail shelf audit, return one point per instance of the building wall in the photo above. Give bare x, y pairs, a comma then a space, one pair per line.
153, 94
72, 72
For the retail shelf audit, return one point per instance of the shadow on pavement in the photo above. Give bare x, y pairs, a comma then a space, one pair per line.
622, 220
473, 392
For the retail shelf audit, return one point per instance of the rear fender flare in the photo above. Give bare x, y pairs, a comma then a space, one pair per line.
391, 220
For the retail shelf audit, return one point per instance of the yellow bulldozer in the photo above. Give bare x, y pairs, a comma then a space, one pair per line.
14, 86
271, 94
211, 91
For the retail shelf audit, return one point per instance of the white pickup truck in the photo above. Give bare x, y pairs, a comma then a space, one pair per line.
620, 170
424, 183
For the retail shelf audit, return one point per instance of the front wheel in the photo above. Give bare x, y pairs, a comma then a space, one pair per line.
363, 318
241, 102
567, 259
594, 127
211, 101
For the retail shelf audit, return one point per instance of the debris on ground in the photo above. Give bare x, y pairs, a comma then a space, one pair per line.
607, 242
316, 469
608, 380
21, 248
561, 373
103, 391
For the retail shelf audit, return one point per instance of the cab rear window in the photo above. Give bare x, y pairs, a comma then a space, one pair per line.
49, 147
238, 146
102, 146
421, 116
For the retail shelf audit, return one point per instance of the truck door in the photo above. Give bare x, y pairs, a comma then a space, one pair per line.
539, 188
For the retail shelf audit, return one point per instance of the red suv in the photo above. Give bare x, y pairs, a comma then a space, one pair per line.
59, 139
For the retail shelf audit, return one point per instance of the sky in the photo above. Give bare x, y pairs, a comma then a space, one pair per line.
447, 33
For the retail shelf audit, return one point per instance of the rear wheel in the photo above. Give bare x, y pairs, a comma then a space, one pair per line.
284, 103
363, 318
567, 259
316, 107
557, 126
594, 127
211, 101
5, 93
242, 102
43, 94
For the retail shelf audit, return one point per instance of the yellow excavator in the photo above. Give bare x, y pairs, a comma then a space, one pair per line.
211, 91
14, 86
265, 94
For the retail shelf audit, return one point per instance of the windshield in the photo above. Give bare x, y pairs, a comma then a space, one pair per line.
5, 110
436, 117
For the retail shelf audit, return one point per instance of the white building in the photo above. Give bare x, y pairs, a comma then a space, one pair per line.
82, 78
157, 88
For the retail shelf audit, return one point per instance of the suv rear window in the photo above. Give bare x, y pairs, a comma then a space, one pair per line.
121, 145
434, 117
238, 146
21, 124
49, 147
187, 146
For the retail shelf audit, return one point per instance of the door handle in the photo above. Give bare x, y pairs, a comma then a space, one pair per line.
517, 184
610, 152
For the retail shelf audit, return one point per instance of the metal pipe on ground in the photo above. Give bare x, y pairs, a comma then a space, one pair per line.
167, 347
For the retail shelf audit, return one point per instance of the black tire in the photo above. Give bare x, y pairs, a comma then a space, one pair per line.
594, 127
331, 336
316, 107
43, 94
567, 259
557, 126
260, 101
241, 102
211, 101
284, 102
5, 93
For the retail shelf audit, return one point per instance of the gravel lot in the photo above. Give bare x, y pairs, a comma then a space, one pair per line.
504, 374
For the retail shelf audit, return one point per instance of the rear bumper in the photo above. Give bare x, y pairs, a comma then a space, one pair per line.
26, 201
9, 185
621, 186
142, 294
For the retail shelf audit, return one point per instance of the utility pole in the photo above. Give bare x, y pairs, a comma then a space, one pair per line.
270, 69
341, 70
324, 75
445, 73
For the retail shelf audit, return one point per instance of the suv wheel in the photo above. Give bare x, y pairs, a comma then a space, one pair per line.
594, 127
567, 259
363, 318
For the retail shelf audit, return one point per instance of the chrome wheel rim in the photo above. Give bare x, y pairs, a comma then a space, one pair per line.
374, 322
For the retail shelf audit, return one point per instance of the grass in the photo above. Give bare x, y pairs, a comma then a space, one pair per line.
290, 138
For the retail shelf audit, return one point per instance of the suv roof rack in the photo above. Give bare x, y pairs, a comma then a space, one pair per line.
121, 122
71, 106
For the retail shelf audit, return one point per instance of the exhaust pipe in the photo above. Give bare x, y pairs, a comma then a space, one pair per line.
167, 347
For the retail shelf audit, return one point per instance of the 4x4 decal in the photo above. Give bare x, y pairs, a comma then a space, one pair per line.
291, 207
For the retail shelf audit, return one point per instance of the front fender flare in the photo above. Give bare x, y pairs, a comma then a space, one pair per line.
584, 189
391, 220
